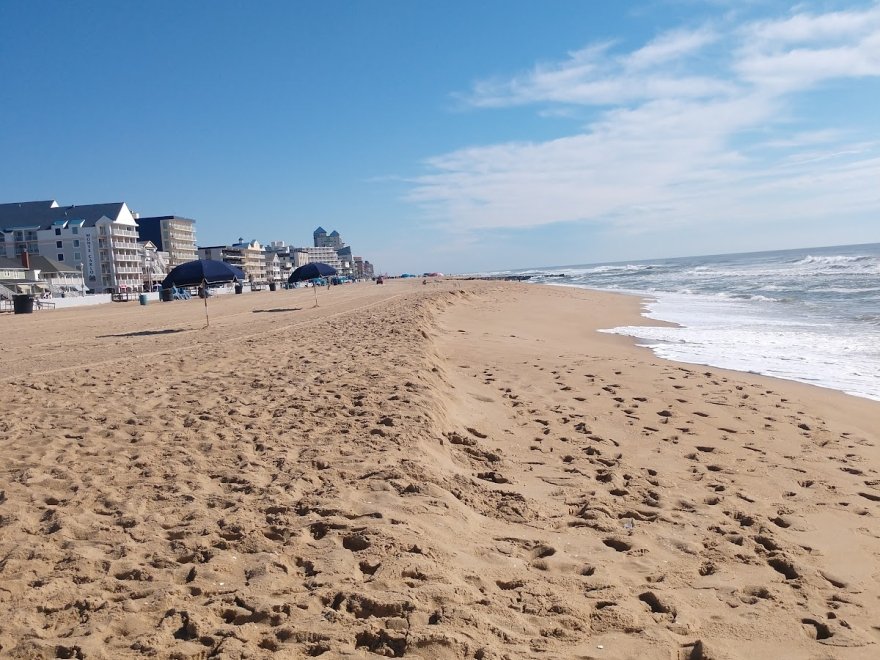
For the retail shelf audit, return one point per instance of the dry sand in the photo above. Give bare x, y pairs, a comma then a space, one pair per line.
463, 470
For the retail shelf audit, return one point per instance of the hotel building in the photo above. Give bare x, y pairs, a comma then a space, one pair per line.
101, 240
171, 234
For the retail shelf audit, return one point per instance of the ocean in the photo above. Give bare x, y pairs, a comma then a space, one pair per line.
810, 315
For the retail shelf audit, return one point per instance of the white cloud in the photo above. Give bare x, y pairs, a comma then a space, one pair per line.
805, 49
674, 144
806, 28
593, 76
670, 46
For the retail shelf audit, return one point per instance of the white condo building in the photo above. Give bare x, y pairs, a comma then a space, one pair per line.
99, 239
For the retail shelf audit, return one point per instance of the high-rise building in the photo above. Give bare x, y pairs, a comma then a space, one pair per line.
319, 237
323, 239
171, 234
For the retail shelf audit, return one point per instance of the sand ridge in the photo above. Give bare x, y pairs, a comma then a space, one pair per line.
464, 470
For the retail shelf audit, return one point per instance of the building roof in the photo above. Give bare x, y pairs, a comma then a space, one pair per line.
38, 262
42, 216
45, 204
334, 233
319, 230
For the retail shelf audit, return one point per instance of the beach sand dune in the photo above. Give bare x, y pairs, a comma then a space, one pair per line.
463, 470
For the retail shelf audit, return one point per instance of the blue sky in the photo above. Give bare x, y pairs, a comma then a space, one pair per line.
451, 135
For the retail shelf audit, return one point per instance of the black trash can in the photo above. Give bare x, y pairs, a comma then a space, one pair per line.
271, 286
167, 295
239, 288
23, 303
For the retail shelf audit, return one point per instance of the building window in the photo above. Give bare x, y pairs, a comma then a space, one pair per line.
58, 231
76, 244
77, 256
60, 257
58, 244
75, 230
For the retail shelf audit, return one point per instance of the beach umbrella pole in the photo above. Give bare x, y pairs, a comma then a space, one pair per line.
315, 287
205, 293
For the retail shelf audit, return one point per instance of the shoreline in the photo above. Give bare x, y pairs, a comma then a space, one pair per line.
461, 469
661, 322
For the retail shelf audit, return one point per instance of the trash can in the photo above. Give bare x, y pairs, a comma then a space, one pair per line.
143, 298
271, 286
23, 303
167, 295
238, 288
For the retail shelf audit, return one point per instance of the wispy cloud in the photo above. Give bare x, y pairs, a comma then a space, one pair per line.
696, 125
596, 76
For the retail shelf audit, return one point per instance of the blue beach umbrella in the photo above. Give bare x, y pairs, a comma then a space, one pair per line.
202, 272
311, 271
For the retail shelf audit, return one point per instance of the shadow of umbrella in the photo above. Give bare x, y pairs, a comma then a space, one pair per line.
311, 271
277, 309
203, 273
144, 333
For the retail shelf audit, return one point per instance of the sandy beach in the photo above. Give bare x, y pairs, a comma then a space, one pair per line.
459, 470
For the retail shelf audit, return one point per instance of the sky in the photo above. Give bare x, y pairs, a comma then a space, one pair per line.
452, 135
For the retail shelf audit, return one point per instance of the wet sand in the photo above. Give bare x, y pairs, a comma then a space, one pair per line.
459, 470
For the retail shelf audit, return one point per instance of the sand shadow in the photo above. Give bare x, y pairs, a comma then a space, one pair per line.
144, 333
277, 309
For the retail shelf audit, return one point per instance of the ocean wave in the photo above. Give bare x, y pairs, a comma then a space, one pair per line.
845, 289
815, 355
833, 260
623, 268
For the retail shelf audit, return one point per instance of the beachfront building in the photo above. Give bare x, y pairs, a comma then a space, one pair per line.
363, 269
38, 275
346, 261
171, 234
326, 255
17, 276
155, 264
300, 257
98, 239
254, 264
285, 256
272, 265
232, 256
246, 256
